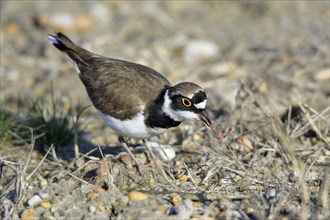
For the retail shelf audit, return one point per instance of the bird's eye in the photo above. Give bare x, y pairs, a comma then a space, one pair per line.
186, 102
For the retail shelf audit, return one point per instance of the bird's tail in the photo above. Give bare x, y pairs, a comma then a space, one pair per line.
62, 42
74, 52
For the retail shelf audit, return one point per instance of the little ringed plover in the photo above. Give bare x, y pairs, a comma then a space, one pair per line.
132, 99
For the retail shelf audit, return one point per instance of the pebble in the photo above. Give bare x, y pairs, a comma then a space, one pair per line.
323, 75
263, 87
103, 169
249, 210
185, 210
242, 144
91, 194
280, 174
91, 208
164, 152
65, 22
100, 208
152, 202
12, 27
137, 196
43, 183
88, 167
223, 68
44, 195
161, 209
45, 205
151, 182
199, 50
176, 199
189, 144
197, 179
198, 216
237, 178
34, 201
222, 204
270, 193
80, 162
28, 214
126, 159
197, 137
182, 177
46, 215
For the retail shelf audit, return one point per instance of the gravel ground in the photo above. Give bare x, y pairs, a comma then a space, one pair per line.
264, 65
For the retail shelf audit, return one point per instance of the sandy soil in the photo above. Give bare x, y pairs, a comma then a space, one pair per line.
265, 68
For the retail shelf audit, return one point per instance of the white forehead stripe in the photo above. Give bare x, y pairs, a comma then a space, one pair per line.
190, 96
201, 105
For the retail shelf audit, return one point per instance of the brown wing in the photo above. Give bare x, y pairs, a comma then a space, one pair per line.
116, 87
112, 84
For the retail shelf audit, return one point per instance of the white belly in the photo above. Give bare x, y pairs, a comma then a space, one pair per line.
134, 127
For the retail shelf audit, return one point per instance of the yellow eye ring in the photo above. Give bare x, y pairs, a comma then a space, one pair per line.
186, 102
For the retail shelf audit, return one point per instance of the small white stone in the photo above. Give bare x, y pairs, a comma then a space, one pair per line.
223, 68
34, 201
186, 209
272, 192
164, 152
280, 174
91, 208
63, 19
200, 50
44, 195
323, 75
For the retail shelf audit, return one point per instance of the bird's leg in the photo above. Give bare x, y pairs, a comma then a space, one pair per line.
156, 160
149, 149
124, 145
154, 157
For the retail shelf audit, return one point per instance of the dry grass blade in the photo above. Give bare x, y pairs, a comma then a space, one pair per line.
21, 181
323, 197
312, 122
288, 147
75, 177
75, 130
8, 206
40, 163
190, 176
300, 129
298, 167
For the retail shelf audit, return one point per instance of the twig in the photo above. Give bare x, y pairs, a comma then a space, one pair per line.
43, 159
75, 129
74, 176
311, 122
323, 197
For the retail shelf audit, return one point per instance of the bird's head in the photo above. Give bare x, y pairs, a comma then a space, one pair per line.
186, 101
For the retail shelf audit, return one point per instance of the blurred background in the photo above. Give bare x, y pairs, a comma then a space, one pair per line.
216, 44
